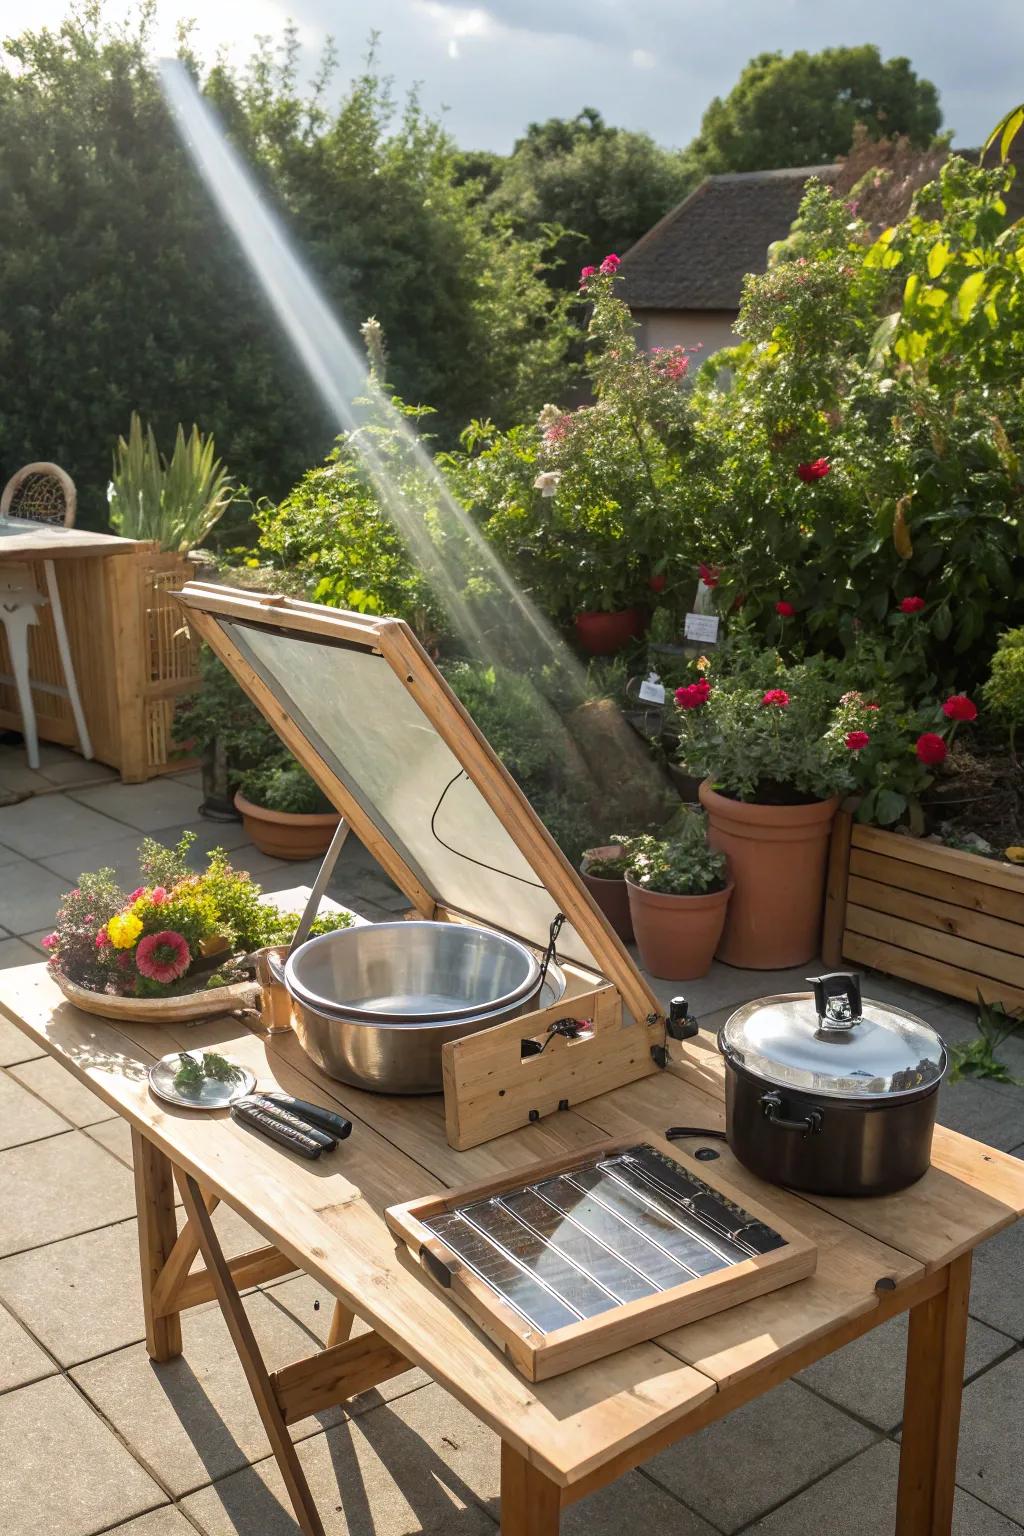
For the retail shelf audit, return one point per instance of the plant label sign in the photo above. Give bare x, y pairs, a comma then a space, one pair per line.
652, 690
701, 626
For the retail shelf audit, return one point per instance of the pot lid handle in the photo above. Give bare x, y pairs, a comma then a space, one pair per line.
837, 999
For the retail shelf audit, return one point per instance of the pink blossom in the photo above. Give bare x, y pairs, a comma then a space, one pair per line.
50, 942
140, 891
102, 939
611, 264
586, 273
163, 956
158, 895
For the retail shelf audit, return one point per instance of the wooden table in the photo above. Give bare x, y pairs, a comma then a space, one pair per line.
568, 1436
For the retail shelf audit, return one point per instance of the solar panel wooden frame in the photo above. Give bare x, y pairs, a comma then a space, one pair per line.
541, 1354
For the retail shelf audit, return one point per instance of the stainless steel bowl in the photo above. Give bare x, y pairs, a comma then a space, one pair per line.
411, 971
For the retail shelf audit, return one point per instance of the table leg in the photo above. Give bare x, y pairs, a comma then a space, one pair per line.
342, 1323
158, 1232
256, 1372
530, 1502
931, 1407
66, 662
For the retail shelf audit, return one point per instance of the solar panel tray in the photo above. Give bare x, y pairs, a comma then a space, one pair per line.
587, 1256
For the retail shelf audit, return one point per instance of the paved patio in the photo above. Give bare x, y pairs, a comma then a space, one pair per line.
97, 1439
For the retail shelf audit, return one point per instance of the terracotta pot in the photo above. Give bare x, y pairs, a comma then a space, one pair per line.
777, 857
602, 634
677, 935
611, 895
283, 834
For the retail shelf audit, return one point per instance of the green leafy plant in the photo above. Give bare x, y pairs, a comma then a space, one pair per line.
191, 1075
1003, 690
977, 1057
220, 723
683, 865
607, 868
282, 785
176, 501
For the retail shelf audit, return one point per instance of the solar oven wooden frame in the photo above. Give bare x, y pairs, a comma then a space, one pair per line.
539, 1355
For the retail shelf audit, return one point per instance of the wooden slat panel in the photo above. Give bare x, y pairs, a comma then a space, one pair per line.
995, 963
915, 850
959, 922
834, 920
926, 972
940, 883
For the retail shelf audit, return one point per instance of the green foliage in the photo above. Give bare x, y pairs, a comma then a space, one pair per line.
1003, 690
683, 865
977, 1057
219, 716
801, 109
175, 501
282, 785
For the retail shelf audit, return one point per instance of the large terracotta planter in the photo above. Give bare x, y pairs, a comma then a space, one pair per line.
285, 835
777, 857
677, 935
602, 634
611, 895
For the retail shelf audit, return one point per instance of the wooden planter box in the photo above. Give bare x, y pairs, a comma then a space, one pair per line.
932, 915
133, 653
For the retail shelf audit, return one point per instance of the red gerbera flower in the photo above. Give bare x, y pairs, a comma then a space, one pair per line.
785, 610
710, 575
959, 707
777, 696
911, 604
856, 741
163, 956
931, 749
816, 470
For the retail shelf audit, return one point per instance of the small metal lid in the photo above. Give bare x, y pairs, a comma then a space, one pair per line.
822, 1042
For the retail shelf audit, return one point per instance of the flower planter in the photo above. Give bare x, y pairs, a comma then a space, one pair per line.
610, 895
183, 1008
777, 857
602, 634
937, 916
677, 935
285, 835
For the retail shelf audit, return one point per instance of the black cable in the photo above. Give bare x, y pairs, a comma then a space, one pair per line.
492, 868
683, 1132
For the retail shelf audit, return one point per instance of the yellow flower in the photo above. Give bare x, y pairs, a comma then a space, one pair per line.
702, 664
1015, 855
123, 929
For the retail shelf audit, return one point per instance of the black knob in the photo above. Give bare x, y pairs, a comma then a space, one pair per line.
679, 1025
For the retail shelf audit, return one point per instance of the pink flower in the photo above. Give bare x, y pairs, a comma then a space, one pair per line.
872, 706
611, 264
817, 469
856, 741
911, 604
163, 956
777, 696
694, 695
959, 707
141, 891
102, 939
785, 610
158, 895
50, 942
586, 273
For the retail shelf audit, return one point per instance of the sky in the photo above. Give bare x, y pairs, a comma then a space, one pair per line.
654, 65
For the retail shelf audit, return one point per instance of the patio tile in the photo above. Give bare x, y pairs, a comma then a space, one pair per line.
990, 1463
121, 852
29, 894
15, 1045
21, 780
997, 1295
298, 1296
859, 1499
193, 1419
631, 1504
50, 824
70, 1474
75, 771
866, 1377
162, 1522
158, 803
55, 1188
740, 1467
990, 1112
24, 1118
21, 1359
16, 952
423, 1464
116, 1136
54, 1083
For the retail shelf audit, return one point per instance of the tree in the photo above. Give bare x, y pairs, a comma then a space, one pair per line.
803, 109
604, 186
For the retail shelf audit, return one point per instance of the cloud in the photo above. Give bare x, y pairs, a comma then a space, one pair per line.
642, 58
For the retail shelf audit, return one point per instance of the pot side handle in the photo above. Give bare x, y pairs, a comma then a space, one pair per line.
771, 1108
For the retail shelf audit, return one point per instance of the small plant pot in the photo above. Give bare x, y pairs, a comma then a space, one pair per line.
285, 835
677, 935
603, 634
611, 895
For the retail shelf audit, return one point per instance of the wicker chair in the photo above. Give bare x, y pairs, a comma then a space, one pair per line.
39, 493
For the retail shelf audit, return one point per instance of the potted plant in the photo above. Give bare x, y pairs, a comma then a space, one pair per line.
770, 744
284, 812
604, 875
678, 893
221, 724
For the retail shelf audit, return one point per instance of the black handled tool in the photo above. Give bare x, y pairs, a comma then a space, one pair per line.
323, 1119
294, 1122
269, 1123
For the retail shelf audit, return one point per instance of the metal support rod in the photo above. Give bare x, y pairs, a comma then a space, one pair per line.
320, 884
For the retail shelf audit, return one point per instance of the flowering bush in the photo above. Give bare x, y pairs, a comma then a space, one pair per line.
894, 751
682, 865
181, 932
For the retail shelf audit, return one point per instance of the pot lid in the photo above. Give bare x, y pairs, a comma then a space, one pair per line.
363, 708
827, 1043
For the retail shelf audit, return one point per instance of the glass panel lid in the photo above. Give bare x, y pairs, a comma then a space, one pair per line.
875, 1051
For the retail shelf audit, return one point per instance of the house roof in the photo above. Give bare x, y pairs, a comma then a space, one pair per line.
697, 256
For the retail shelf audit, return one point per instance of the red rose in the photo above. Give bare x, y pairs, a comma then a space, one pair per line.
785, 610
777, 696
586, 273
931, 749
657, 583
816, 470
694, 695
911, 604
857, 740
709, 574
959, 707
872, 706
611, 264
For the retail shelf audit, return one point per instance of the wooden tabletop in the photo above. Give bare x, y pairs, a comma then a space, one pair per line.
21, 539
327, 1217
